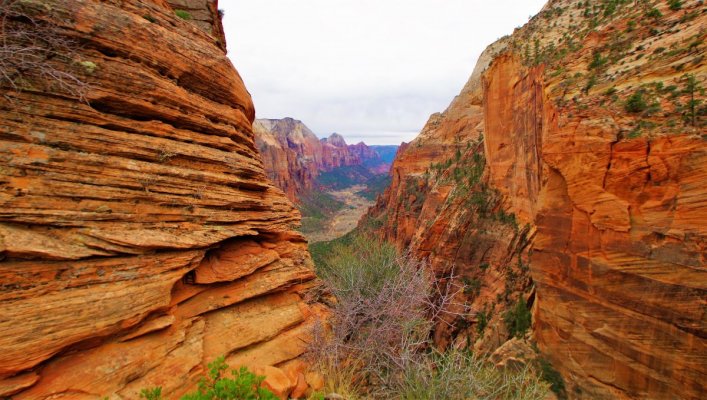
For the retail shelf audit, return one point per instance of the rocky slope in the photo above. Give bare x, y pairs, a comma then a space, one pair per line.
583, 193
294, 157
139, 235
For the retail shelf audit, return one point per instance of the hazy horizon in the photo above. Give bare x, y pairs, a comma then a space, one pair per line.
371, 71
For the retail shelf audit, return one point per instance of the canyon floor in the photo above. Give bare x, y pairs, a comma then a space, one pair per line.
346, 219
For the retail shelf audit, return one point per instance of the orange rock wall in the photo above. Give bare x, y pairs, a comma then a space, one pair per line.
619, 254
139, 236
609, 202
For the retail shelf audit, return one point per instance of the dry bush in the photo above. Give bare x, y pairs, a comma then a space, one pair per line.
36, 55
378, 344
385, 308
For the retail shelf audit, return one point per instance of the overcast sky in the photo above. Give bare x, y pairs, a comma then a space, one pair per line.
372, 70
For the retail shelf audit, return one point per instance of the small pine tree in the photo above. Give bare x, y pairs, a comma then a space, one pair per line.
536, 52
691, 87
518, 319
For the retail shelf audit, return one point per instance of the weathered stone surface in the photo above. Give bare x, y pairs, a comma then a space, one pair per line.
234, 260
619, 254
139, 235
613, 198
276, 380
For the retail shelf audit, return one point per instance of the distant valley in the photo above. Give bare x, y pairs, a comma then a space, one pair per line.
331, 182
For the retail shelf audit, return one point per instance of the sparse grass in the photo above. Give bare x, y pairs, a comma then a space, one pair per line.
182, 14
461, 375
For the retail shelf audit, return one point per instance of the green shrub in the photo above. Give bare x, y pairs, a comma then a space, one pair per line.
480, 200
243, 386
482, 321
636, 103
182, 14
598, 61
151, 394
507, 218
550, 375
472, 286
590, 84
517, 319
654, 13
675, 4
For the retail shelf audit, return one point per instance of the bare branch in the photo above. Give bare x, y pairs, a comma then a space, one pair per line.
36, 55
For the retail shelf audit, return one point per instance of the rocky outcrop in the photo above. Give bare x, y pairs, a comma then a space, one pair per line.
294, 157
291, 154
588, 145
139, 236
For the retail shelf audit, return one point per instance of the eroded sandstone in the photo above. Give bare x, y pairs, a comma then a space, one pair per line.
140, 237
587, 144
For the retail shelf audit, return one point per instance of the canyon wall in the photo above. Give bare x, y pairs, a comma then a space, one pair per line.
291, 153
294, 157
591, 167
139, 235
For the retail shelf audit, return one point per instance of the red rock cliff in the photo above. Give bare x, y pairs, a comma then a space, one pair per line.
619, 256
587, 142
293, 156
139, 236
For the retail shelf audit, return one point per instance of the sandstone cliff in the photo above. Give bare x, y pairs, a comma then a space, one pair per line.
291, 153
139, 235
589, 174
294, 157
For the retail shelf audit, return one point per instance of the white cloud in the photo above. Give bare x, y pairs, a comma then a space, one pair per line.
364, 68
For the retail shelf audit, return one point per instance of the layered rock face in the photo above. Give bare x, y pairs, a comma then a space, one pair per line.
293, 156
588, 142
139, 235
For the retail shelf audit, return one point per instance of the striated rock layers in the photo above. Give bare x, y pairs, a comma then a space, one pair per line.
589, 151
294, 157
139, 235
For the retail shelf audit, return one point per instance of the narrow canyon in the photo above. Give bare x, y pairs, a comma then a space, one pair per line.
149, 223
